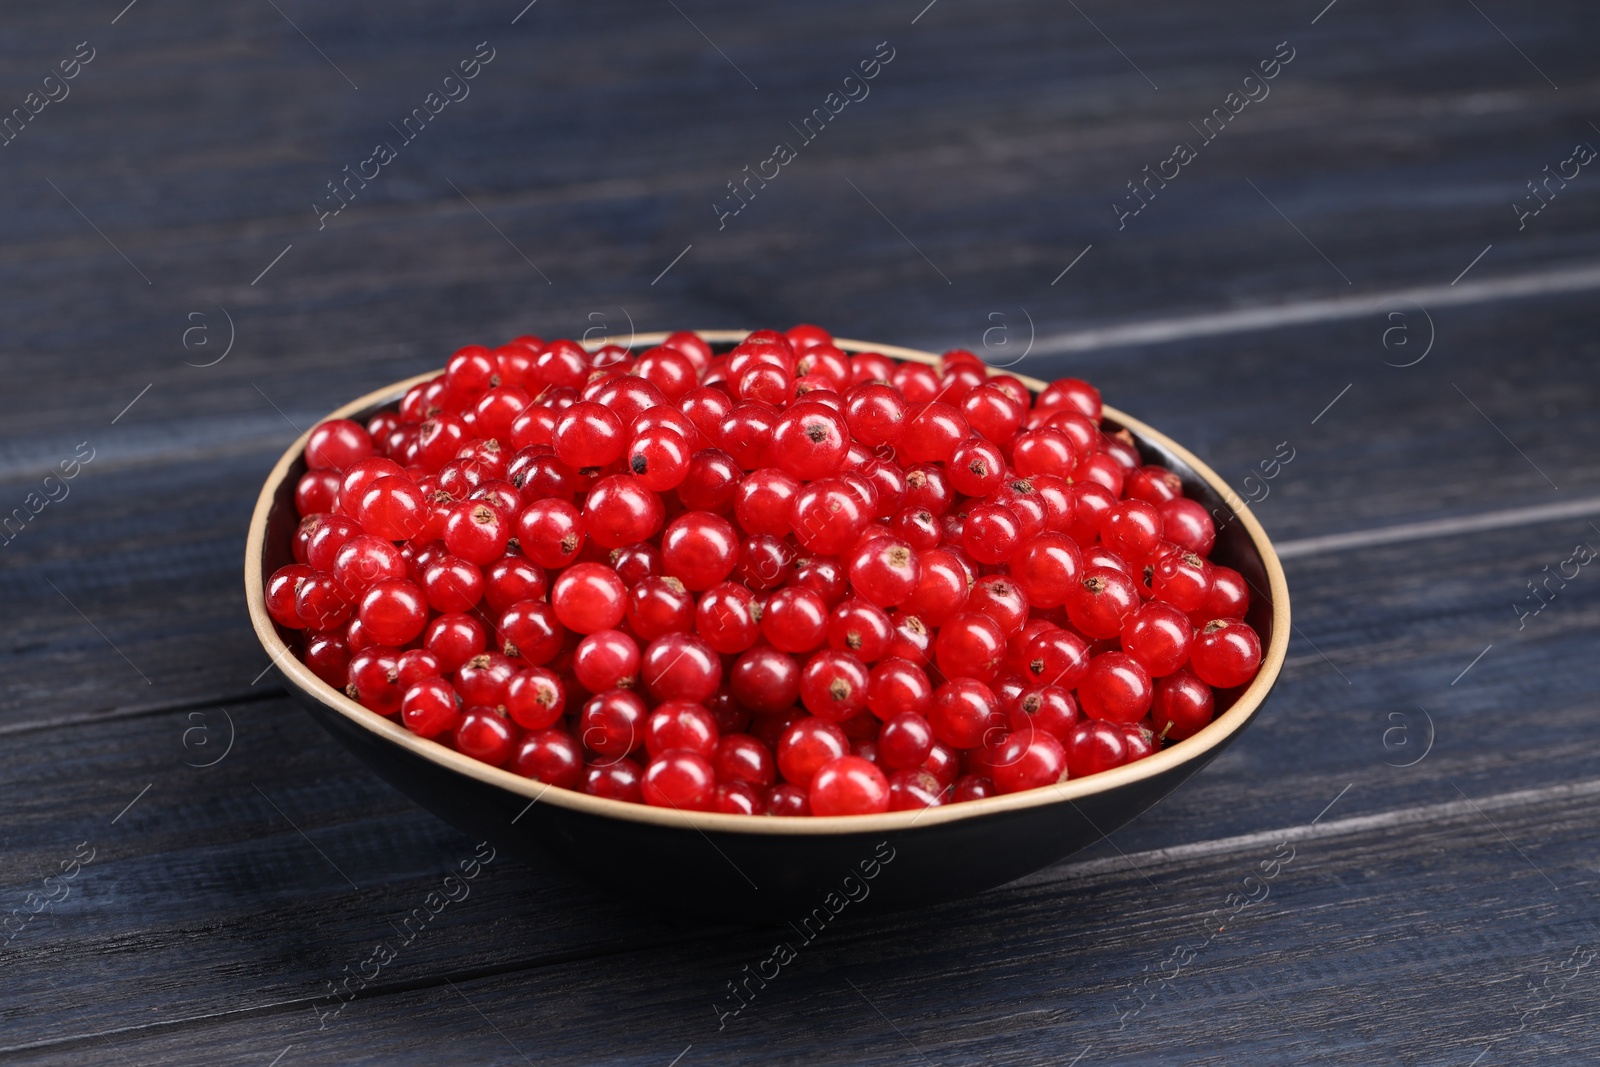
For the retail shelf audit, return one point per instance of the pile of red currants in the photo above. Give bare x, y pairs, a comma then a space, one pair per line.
777, 580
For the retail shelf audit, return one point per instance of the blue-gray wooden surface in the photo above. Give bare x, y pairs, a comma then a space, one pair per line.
1429, 757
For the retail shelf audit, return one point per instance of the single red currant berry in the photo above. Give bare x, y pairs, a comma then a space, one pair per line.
875, 413
453, 639
393, 508
712, 482
484, 734
588, 597
679, 666
588, 436
549, 756
861, 629
962, 712
1226, 653
658, 606
678, 724
905, 741
1047, 569
833, 685
1056, 657
970, 645
848, 785
607, 659
484, 679
828, 516
942, 588
1186, 523
977, 467
809, 441
476, 532
1101, 600
534, 699
612, 723
1158, 636
741, 758
1028, 760
337, 445
430, 708
681, 780
320, 603
765, 562
394, 611
898, 686
620, 511
972, 787
1183, 706
1002, 599
659, 458
823, 576
551, 532
617, 779
932, 432
452, 584
1116, 688
1046, 709
530, 632
806, 746
1181, 579
1096, 746
1045, 451
885, 571
728, 617
795, 619
913, 789
699, 549
1228, 596
765, 680
328, 656
1073, 394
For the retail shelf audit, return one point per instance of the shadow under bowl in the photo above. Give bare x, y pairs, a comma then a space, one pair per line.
765, 869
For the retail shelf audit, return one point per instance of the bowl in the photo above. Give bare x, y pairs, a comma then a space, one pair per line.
769, 869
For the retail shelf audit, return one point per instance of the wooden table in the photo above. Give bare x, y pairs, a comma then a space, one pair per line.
1343, 271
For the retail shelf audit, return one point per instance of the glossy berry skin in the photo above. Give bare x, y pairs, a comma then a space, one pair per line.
875, 413
795, 619
679, 666
699, 549
962, 712
452, 584
485, 735
617, 779
551, 532
430, 708
392, 508
833, 685
741, 758
1056, 657
588, 435
612, 723
1047, 568
806, 746
827, 516
970, 645
897, 685
809, 441
765, 680
1003, 600
1226, 653
588, 597
659, 458
1115, 688
932, 433
1181, 579
763, 501
991, 534
1099, 603
621, 510
848, 785
1183, 706
394, 611
550, 756
1046, 709
942, 588
905, 741
658, 606
606, 659
1028, 760
530, 632
1188, 524
337, 445
679, 724
476, 532
861, 629
507, 581
1095, 746
453, 639
726, 618
1158, 635
534, 699
885, 571
1228, 596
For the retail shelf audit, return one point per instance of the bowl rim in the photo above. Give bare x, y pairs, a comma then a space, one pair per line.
1213, 737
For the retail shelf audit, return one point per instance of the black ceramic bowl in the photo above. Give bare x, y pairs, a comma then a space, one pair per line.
764, 869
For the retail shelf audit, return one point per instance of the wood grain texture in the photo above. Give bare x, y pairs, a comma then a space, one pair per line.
1406, 929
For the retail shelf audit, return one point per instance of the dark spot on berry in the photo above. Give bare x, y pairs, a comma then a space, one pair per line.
899, 556
839, 689
1191, 559
1023, 486
817, 432
853, 640
569, 544
917, 479
979, 468
510, 650
350, 691
639, 464
588, 472
1033, 702
482, 515
513, 546
915, 625
494, 381
673, 584
1213, 626
1036, 666
546, 695
1094, 584
480, 661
